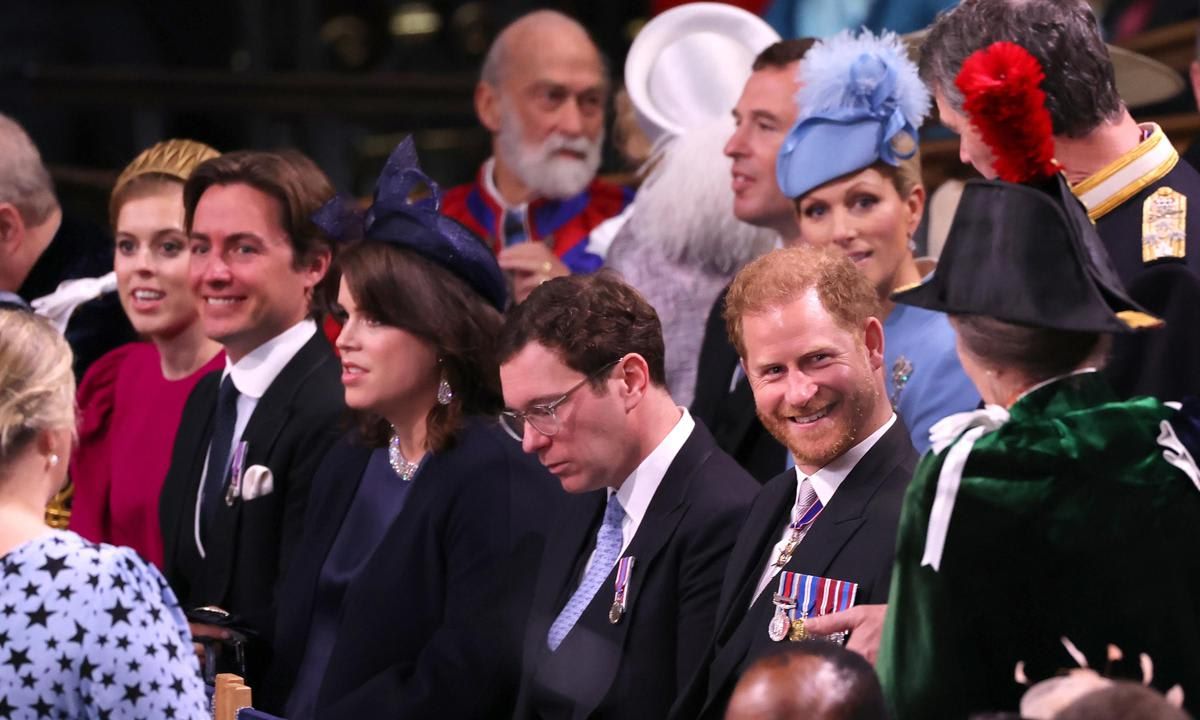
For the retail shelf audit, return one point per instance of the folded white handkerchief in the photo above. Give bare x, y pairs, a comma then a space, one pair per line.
257, 481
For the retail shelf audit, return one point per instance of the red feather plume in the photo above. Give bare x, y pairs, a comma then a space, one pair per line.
1004, 100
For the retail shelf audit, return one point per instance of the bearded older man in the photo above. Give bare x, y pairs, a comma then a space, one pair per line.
542, 94
821, 537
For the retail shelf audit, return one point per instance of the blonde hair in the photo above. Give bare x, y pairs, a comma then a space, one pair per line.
784, 276
37, 386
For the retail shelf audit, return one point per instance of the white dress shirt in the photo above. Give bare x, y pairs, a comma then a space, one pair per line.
252, 375
825, 482
638, 489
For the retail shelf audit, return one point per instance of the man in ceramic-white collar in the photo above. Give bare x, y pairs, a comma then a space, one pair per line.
251, 436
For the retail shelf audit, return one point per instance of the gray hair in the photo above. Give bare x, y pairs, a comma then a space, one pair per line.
1081, 92
24, 180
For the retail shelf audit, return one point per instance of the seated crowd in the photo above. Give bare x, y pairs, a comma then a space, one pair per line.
428, 457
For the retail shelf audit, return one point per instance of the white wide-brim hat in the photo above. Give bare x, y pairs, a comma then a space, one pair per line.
1141, 80
688, 65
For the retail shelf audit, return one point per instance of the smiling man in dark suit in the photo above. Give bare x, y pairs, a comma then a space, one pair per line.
626, 589
805, 323
251, 436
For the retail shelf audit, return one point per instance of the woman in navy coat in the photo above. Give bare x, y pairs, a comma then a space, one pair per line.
406, 598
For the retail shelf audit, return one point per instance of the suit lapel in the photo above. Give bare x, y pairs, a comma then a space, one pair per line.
270, 416
191, 449
758, 535
556, 579
662, 517
845, 513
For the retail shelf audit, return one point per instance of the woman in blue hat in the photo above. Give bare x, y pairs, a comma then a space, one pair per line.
403, 598
852, 167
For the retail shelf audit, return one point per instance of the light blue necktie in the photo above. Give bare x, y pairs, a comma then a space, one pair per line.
608, 549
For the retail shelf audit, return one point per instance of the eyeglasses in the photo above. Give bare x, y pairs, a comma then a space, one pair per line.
542, 417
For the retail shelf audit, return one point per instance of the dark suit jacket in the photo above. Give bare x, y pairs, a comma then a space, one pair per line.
635, 668
251, 541
431, 625
853, 539
1158, 362
731, 415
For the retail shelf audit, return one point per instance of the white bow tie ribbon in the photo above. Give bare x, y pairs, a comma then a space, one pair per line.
58, 306
959, 433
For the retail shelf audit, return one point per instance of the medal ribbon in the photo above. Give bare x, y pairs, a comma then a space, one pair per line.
234, 491
789, 587
821, 596
624, 574
803, 522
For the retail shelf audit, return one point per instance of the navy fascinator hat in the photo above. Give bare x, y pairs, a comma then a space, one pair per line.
415, 225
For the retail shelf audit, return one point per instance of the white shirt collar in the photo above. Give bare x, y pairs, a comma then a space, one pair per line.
828, 479
255, 372
638, 489
489, 186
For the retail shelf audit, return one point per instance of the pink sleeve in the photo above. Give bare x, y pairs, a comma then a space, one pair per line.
91, 469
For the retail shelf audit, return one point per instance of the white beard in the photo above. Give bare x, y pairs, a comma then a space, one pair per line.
539, 168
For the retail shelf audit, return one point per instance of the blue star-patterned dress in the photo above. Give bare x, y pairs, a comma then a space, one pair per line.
92, 631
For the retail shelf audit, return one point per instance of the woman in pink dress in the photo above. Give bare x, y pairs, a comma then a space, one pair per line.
131, 399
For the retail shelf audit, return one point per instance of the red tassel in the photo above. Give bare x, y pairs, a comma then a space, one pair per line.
1004, 100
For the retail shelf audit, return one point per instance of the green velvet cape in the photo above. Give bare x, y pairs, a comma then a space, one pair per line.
1068, 523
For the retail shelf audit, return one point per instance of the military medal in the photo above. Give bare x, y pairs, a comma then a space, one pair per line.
621, 589
797, 631
785, 603
798, 528
817, 596
234, 491
1164, 225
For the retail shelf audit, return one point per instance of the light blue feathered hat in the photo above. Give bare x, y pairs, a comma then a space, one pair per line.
857, 93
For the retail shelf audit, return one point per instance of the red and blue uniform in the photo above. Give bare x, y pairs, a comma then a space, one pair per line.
567, 222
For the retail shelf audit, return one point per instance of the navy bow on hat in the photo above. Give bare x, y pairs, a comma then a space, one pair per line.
415, 225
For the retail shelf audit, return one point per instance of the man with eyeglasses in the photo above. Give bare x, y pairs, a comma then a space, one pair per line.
627, 585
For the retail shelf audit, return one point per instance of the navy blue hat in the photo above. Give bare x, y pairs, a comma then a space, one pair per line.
857, 93
416, 225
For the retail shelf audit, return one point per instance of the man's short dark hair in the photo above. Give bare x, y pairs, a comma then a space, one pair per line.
779, 55
290, 177
589, 321
1081, 92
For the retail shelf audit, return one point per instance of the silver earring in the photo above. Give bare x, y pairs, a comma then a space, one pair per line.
53, 459
445, 393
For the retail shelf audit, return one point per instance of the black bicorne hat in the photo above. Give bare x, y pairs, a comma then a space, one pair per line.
1028, 254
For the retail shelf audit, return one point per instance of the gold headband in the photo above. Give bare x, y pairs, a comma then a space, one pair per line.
175, 158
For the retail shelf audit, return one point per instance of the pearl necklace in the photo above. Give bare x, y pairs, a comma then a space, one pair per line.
403, 468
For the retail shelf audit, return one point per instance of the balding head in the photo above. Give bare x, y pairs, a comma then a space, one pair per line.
542, 94
532, 35
816, 680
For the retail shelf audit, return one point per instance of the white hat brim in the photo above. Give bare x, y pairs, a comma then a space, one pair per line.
690, 63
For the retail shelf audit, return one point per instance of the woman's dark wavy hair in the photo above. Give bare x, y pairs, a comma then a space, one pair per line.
401, 288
